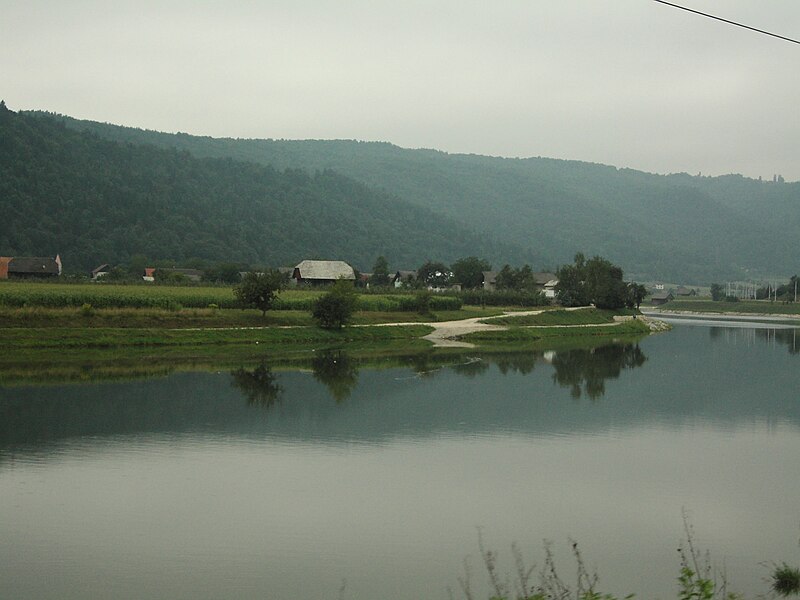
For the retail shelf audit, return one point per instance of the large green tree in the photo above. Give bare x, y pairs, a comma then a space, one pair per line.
469, 271
259, 290
595, 281
521, 279
380, 272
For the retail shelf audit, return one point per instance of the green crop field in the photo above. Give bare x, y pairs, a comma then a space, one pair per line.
18, 294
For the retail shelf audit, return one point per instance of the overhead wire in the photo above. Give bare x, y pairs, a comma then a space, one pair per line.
697, 12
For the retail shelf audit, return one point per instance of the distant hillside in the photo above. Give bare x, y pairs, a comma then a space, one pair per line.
677, 227
94, 200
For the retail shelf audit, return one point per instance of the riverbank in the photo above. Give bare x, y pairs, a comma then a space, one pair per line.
745, 308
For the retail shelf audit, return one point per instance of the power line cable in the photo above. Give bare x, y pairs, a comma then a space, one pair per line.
697, 12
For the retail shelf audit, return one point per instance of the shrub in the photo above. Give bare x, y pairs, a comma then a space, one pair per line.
335, 309
503, 298
86, 310
786, 580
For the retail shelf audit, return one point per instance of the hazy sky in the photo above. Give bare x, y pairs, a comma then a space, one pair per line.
631, 83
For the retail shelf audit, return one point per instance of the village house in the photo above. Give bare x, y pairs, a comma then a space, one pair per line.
100, 272
30, 267
401, 278
322, 272
661, 297
546, 282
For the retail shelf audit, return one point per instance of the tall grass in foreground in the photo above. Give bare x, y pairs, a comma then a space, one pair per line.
697, 578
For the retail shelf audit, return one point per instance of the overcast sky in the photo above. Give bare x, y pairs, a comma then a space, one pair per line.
631, 83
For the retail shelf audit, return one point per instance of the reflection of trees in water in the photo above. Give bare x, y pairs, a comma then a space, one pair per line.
585, 371
520, 362
337, 371
472, 367
259, 386
785, 337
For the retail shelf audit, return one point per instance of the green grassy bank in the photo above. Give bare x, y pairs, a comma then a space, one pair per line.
555, 337
756, 307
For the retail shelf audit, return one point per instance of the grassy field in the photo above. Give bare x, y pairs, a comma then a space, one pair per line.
587, 316
206, 317
535, 336
744, 306
19, 294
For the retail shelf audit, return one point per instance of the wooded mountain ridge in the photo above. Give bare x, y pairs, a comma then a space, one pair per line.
681, 228
94, 201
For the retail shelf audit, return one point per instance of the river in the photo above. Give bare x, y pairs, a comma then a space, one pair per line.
348, 480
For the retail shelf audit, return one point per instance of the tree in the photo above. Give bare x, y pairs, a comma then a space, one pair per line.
717, 292
521, 279
434, 274
223, 273
380, 272
259, 290
335, 309
636, 293
596, 281
469, 271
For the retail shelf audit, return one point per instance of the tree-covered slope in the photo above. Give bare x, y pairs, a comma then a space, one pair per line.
94, 200
679, 228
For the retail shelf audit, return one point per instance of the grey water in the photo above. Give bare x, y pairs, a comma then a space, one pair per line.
343, 480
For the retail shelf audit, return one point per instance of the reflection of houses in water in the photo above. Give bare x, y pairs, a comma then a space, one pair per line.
751, 336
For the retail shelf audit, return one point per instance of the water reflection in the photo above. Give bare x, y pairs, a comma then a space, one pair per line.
586, 370
337, 371
773, 336
259, 385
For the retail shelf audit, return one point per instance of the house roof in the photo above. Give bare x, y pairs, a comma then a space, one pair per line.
490, 277
544, 277
325, 269
101, 269
661, 295
33, 264
187, 272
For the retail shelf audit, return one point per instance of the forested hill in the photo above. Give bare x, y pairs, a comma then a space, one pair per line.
93, 201
682, 228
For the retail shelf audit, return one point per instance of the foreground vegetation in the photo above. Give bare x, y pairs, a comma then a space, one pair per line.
698, 578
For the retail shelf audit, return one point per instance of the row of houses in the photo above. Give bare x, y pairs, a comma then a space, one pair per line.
544, 281
307, 272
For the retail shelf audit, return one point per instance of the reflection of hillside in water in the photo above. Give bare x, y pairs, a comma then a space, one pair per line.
751, 337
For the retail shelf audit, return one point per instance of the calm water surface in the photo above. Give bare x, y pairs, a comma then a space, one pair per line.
263, 483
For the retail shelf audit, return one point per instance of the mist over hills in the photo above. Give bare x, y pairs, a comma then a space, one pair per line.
681, 228
95, 200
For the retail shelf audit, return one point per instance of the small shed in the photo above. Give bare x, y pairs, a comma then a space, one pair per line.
661, 297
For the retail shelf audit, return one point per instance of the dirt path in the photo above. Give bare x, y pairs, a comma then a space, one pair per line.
445, 333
